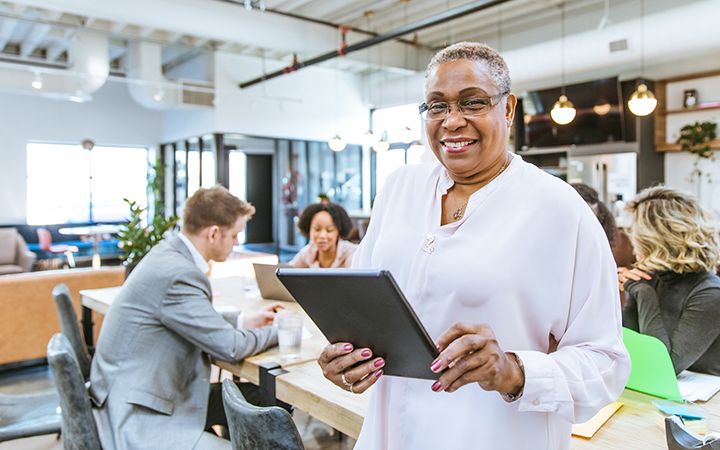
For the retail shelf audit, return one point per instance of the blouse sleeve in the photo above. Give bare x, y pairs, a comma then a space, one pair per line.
299, 259
590, 367
695, 331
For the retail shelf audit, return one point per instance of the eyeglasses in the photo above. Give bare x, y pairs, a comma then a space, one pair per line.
469, 107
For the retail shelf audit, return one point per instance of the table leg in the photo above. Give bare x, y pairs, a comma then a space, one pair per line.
268, 372
88, 328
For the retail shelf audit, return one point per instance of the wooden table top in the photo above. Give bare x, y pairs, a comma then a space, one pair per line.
635, 426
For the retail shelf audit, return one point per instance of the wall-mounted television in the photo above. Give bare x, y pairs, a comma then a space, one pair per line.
599, 115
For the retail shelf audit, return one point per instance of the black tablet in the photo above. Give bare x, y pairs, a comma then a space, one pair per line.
367, 309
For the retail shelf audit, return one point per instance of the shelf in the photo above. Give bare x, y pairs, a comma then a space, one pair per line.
701, 107
670, 147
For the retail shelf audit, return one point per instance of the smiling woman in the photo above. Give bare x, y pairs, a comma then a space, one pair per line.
327, 225
527, 341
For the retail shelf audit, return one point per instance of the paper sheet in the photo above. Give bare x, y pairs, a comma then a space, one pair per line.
697, 386
589, 428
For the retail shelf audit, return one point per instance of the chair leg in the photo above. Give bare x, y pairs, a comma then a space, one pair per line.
70, 258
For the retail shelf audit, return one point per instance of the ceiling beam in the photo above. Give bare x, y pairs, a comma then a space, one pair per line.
442, 17
6, 30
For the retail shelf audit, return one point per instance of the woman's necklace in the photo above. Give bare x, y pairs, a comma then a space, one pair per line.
460, 211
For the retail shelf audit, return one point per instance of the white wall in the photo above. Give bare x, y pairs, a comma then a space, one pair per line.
112, 118
679, 165
301, 105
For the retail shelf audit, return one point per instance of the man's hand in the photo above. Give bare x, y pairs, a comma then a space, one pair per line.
263, 317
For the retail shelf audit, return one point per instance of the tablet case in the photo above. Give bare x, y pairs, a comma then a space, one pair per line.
367, 309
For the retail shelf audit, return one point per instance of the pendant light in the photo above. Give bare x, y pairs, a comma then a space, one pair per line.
642, 102
336, 143
563, 111
382, 145
369, 137
37, 82
407, 135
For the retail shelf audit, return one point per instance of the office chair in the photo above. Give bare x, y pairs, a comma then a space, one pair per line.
26, 415
253, 427
46, 245
70, 327
78, 426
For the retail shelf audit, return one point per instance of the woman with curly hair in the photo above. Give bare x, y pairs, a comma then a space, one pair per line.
325, 225
673, 292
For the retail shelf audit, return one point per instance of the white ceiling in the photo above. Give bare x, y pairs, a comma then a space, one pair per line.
38, 32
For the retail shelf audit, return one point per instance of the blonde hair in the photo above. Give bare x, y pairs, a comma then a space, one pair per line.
671, 232
474, 51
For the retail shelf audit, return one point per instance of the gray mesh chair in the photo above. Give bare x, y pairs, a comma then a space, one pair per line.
78, 426
71, 328
253, 427
26, 415
679, 438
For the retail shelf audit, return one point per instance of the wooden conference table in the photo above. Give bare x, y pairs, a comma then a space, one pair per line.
300, 383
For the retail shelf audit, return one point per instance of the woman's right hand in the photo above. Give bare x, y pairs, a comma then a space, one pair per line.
344, 366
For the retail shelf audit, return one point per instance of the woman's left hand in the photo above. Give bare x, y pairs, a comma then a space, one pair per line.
472, 354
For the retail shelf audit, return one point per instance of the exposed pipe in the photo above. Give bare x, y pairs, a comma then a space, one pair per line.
322, 22
428, 22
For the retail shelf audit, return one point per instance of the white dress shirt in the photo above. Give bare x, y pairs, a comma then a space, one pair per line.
197, 257
530, 259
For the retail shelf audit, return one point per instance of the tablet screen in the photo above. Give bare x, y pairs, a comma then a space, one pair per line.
367, 309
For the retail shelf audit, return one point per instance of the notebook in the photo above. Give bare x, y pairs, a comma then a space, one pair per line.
270, 287
652, 369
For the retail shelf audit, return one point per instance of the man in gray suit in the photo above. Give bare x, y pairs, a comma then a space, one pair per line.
150, 373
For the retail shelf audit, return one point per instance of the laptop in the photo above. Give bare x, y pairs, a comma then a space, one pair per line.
270, 287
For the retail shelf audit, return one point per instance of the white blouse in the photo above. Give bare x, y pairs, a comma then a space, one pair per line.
530, 259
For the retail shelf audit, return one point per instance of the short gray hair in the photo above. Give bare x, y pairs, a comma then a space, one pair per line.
475, 51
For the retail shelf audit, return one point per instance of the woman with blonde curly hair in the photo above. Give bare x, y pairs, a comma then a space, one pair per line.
673, 292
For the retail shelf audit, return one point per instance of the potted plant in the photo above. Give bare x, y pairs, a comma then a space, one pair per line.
695, 138
140, 234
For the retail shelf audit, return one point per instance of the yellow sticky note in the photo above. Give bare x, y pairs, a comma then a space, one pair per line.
589, 428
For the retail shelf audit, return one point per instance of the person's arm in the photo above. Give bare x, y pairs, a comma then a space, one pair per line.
696, 329
630, 312
300, 257
590, 366
187, 311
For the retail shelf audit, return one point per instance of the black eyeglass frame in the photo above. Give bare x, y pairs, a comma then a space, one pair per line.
494, 100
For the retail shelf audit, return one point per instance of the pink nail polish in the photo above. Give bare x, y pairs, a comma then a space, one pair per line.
378, 373
436, 386
379, 363
348, 347
366, 353
436, 366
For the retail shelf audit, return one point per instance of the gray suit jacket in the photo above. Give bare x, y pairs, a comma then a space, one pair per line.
150, 373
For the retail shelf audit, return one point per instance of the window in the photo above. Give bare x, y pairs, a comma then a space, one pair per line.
68, 184
393, 123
